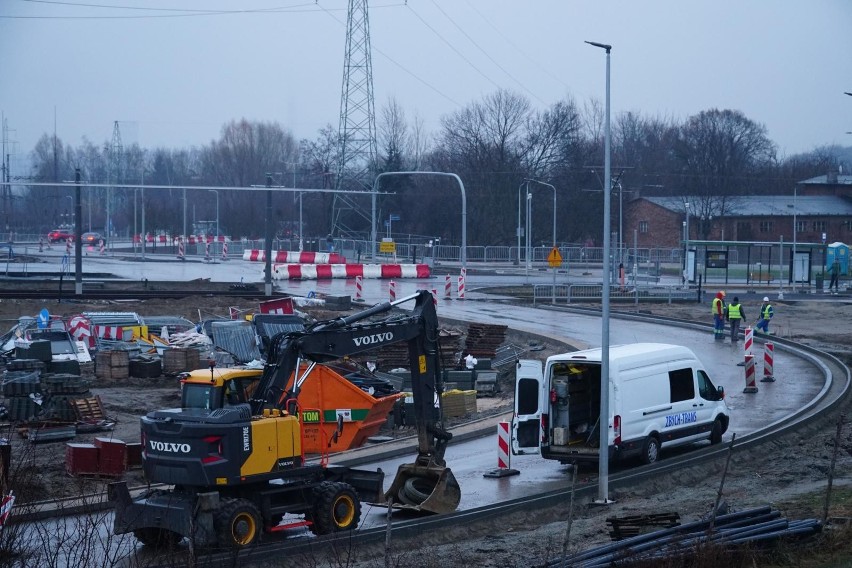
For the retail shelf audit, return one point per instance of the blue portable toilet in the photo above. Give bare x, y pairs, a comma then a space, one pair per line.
839, 251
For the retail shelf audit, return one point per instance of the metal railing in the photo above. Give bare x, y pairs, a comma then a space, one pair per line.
567, 293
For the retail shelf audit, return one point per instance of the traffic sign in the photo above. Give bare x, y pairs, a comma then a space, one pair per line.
554, 259
387, 246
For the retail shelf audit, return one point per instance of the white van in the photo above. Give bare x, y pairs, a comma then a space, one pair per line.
659, 396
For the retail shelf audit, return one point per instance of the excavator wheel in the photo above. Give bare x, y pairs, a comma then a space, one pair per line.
336, 508
157, 538
237, 523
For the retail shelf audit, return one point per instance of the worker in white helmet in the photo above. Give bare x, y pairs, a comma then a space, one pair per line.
765, 314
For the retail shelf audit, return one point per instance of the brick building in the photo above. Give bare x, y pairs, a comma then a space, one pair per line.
821, 206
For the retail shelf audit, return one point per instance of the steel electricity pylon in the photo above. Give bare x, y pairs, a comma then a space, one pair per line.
357, 131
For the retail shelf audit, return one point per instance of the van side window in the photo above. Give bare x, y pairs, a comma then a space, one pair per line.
681, 385
527, 396
706, 388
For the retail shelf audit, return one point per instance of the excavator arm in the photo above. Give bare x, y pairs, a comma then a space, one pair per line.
351, 335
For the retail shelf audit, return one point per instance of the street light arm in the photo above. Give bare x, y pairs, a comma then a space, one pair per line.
463, 255
608, 48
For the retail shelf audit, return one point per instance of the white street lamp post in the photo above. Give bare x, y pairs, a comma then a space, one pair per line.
554, 228
603, 457
216, 238
686, 246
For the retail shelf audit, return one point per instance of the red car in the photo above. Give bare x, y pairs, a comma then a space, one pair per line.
57, 235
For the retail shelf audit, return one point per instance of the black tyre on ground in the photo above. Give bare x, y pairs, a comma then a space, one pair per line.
336, 508
157, 538
237, 523
716, 432
650, 450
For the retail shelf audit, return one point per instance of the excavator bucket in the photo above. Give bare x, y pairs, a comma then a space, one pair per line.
429, 488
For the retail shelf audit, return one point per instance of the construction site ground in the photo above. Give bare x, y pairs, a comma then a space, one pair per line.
791, 476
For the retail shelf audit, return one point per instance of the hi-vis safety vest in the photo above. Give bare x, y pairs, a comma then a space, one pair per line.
767, 312
717, 306
734, 311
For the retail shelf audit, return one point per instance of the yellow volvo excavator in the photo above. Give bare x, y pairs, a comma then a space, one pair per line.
233, 451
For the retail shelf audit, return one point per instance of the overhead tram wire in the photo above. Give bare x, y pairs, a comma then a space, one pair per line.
509, 41
484, 52
303, 7
459, 53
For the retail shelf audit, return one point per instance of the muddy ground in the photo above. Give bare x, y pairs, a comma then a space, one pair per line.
791, 475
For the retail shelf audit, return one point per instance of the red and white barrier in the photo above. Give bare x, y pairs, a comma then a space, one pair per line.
80, 329
224, 251
768, 362
461, 287
448, 286
181, 251
6, 507
392, 291
102, 247
359, 285
749, 339
750, 387
435, 296
295, 257
504, 460
330, 271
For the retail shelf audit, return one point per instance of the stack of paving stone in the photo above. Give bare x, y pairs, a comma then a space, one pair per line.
181, 359
395, 356
484, 339
61, 391
21, 387
112, 365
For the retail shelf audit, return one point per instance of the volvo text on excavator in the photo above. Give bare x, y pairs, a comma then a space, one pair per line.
233, 451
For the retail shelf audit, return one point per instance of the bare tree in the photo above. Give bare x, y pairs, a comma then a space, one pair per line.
720, 153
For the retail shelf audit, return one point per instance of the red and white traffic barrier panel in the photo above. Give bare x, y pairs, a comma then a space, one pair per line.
80, 329
504, 460
359, 285
435, 296
330, 271
295, 257
461, 287
750, 387
224, 251
768, 363
102, 247
749, 339
448, 288
392, 291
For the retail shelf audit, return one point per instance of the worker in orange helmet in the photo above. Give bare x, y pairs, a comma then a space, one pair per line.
718, 306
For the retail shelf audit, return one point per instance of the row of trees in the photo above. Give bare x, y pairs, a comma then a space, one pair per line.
493, 144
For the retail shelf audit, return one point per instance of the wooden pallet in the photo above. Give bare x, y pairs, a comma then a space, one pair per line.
89, 409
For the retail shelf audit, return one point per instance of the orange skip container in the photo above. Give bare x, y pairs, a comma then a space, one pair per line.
325, 395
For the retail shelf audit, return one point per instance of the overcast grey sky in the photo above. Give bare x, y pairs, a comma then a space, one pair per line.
173, 77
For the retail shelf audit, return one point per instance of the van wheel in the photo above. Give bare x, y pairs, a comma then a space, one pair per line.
716, 432
650, 450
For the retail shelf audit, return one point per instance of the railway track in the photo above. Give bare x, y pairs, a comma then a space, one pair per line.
444, 528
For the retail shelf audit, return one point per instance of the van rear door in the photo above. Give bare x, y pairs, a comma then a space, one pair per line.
529, 403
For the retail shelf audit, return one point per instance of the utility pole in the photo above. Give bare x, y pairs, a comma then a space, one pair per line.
116, 154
